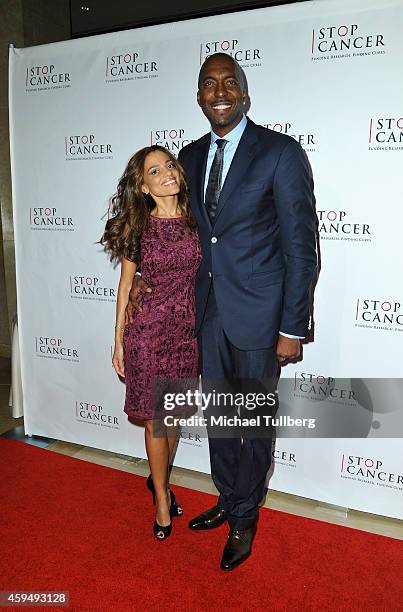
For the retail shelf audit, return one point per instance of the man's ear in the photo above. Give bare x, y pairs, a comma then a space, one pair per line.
198, 97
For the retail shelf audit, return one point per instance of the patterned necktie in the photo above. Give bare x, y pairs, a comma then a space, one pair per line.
214, 180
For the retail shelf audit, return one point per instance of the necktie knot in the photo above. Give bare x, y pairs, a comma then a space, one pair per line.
221, 142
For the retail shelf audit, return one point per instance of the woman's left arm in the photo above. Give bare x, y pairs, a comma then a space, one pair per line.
127, 273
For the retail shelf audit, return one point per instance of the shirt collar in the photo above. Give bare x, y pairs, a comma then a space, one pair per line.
234, 136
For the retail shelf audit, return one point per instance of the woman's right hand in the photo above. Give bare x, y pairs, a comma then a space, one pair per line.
118, 361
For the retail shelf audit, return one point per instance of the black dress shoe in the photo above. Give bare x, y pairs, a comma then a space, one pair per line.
208, 520
237, 548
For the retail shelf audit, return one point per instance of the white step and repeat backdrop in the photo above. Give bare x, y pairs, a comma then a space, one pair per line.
326, 72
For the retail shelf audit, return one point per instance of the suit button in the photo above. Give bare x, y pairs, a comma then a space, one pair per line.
214, 240
210, 275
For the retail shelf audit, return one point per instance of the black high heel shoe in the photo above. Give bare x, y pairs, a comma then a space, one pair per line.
160, 532
176, 508
163, 532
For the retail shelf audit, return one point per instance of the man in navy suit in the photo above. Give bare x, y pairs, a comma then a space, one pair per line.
251, 194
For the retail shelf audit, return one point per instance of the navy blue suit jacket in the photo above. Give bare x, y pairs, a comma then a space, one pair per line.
261, 250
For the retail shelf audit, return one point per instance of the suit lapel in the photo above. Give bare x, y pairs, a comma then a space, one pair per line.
246, 151
200, 173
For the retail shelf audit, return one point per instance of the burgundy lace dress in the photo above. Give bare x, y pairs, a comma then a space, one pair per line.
159, 343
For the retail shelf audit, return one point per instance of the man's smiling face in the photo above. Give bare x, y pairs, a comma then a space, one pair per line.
221, 93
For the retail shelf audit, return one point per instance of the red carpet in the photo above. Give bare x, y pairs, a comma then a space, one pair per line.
70, 525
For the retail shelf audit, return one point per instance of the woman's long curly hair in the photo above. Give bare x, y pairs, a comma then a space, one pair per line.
130, 208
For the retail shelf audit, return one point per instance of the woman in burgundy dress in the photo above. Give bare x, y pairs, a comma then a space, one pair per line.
152, 225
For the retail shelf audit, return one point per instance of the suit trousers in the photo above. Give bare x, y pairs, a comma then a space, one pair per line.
239, 465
